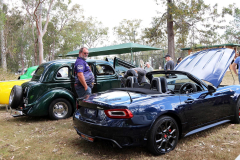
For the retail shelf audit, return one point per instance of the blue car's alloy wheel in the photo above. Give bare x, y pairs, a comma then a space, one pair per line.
236, 119
163, 136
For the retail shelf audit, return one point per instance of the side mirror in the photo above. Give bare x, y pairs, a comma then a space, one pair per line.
211, 89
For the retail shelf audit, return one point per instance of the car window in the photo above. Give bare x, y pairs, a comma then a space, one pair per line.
39, 71
175, 81
102, 69
63, 72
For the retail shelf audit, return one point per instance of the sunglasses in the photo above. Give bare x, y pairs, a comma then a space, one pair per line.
85, 53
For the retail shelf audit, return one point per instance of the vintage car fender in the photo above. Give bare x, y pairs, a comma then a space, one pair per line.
6, 87
41, 106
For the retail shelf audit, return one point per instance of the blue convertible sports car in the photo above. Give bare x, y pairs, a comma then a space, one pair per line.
175, 104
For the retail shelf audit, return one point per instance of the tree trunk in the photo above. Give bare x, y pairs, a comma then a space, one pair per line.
40, 35
53, 50
40, 45
35, 61
3, 48
171, 47
22, 57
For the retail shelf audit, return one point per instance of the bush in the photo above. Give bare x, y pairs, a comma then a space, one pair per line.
5, 76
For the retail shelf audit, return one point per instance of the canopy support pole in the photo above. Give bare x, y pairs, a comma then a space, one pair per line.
131, 56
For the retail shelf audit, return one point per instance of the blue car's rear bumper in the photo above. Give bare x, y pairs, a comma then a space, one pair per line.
131, 135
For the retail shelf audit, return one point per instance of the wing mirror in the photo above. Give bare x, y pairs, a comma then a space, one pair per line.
211, 89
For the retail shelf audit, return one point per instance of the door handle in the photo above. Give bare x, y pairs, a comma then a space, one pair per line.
189, 100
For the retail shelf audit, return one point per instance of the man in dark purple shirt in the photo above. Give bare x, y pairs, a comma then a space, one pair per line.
84, 77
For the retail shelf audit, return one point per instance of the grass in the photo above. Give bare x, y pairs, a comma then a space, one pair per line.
41, 138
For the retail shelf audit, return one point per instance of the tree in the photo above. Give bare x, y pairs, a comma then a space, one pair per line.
127, 31
185, 23
94, 33
3, 48
89, 31
232, 32
37, 14
63, 16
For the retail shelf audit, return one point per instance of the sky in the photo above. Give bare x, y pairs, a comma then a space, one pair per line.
112, 12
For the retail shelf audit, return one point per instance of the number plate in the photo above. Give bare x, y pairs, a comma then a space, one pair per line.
91, 112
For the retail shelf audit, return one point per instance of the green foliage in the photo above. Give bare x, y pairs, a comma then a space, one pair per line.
194, 23
90, 32
232, 32
128, 31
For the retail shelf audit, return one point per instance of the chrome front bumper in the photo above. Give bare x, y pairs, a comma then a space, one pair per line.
14, 112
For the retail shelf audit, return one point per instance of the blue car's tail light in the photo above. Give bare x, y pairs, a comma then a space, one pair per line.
119, 113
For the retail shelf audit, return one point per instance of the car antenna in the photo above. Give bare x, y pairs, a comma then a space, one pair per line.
130, 97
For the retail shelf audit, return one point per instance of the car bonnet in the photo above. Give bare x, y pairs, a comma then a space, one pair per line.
209, 65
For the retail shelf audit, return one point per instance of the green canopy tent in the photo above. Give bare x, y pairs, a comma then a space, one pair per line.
115, 49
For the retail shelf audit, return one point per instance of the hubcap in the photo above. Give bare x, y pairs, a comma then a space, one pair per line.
60, 109
165, 137
11, 96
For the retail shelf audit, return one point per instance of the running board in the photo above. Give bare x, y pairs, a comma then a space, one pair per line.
206, 127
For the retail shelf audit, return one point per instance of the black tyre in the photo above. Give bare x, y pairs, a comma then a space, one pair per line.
236, 119
163, 136
16, 97
60, 109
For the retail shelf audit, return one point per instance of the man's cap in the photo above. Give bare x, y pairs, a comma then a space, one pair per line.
167, 56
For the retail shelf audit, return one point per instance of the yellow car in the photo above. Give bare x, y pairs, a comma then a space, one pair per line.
6, 87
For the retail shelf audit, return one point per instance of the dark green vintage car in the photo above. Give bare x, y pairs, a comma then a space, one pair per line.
51, 90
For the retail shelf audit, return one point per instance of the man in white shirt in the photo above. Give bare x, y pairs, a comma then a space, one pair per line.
148, 68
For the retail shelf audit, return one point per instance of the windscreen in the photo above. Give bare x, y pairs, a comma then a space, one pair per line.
37, 75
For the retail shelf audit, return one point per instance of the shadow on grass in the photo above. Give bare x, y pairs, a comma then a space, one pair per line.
28, 119
102, 148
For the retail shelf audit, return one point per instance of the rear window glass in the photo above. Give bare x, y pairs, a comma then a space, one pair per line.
63, 73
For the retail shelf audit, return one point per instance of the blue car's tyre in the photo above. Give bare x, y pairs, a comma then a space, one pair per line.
60, 109
163, 136
16, 96
236, 119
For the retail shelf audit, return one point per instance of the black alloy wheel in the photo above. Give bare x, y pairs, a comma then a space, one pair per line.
163, 136
236, 119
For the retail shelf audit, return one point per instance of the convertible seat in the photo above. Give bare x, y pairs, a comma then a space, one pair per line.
131, 81
156, 84
142, 85
164, 84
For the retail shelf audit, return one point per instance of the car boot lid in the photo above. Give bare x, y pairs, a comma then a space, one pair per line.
113, 98
209, 65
